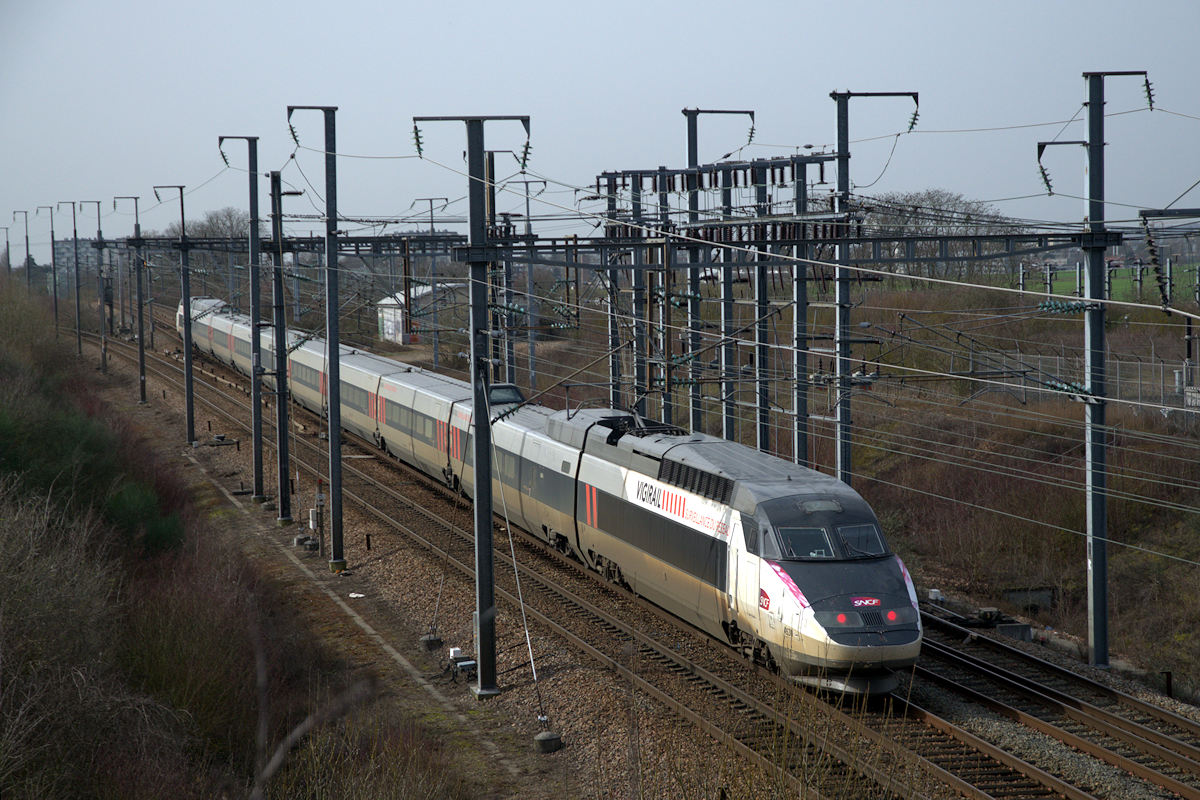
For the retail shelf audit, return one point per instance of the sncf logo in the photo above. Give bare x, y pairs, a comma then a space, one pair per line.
764, 600
864, 602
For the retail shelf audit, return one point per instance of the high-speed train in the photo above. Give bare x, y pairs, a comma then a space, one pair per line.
787, 564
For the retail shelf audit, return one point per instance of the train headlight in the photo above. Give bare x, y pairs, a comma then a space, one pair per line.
905, 615
839, 619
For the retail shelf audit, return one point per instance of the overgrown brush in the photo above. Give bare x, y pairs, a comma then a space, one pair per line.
129, 665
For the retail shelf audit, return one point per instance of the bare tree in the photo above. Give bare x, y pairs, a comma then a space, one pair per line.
941, 212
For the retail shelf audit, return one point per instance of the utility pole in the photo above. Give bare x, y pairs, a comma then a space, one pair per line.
28, 279
479, 254
531, 303
638, 306
333, 367
614, 332
800, 325
137, 242
729, 383
75, 239
185, 286
280, 349
842, 277
433, 280
7, 257
1096, 242
99, 245
256, 368
693, 160
762, 305
53, 266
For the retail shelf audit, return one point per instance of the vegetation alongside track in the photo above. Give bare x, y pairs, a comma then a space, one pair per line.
129, 638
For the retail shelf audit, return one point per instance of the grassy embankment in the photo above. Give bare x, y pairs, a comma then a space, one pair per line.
129, 639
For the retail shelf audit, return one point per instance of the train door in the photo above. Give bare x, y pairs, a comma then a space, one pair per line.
744, 541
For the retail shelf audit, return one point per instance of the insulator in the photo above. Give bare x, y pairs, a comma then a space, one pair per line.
1046, 179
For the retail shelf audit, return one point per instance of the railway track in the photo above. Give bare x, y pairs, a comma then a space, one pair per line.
1156, 745
812, 746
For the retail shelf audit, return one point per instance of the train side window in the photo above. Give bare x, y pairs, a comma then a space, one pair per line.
770, 543
750, 532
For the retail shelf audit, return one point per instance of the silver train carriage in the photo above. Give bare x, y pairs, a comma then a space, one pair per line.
785, 563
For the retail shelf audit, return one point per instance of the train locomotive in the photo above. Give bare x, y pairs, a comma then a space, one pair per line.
784, 563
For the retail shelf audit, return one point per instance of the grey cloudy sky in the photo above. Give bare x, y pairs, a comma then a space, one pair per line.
109, 98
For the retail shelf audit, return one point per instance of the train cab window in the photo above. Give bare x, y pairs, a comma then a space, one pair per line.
805, 543
503, 394
861, 540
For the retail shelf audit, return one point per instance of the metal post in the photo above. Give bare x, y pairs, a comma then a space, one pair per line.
337, 559
493, 311
668, 335
433, 280
693, 160
484, 589
1094, 412
256, 366
103, 337
139, 265
531, 304
53, 266
762, 306
614, 333
75, 239
28, 279
150, 303
729, 382
664, 306
99, 245
7, 257
510, 344
800, 327
185, 290
842, 277
479, 256
694, 398
639, 302
280, 348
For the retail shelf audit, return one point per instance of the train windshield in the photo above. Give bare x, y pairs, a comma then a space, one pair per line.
805, 543
861, 540
803, 529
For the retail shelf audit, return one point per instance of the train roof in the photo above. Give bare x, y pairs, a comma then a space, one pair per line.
721, 470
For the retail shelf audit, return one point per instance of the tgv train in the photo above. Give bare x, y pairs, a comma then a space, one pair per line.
782, 562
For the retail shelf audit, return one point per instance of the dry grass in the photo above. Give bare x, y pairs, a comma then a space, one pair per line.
130, 641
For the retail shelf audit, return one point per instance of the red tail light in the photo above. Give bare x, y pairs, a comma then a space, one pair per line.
892, 616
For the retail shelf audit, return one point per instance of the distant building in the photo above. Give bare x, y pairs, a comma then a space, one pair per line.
392, 311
